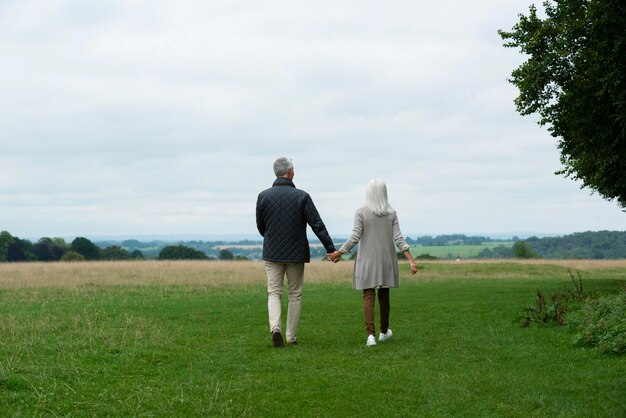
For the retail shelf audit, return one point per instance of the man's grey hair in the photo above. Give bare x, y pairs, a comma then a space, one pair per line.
281, 166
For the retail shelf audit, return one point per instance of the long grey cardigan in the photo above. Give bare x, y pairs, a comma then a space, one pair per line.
376, 262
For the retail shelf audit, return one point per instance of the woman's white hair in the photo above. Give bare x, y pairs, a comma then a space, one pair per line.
376, 197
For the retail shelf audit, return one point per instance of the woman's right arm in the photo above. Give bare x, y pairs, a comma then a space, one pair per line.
357, 231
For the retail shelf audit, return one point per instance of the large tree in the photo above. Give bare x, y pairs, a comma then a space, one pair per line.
575, 79
86, 248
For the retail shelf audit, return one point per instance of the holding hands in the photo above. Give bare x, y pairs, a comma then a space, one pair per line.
334, 257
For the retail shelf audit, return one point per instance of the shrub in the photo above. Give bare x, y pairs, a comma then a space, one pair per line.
602, 323
72, 256
137, 255
425, 257
521, 249
226, 254
115, 252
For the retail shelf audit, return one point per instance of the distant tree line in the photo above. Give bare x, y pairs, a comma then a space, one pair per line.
583, 245
56, 249
597, 245
151, 249
15, 249
454, 239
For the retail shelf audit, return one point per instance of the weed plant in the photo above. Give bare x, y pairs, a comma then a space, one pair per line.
542, 312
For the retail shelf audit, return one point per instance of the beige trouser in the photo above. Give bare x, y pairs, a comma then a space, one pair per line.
275, 277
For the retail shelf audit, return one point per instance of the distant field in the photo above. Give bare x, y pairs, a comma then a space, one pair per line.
190, 338
455, 251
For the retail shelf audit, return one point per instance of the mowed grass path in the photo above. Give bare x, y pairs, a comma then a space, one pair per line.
191, 339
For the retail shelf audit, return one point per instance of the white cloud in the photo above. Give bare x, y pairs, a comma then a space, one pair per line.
153, 117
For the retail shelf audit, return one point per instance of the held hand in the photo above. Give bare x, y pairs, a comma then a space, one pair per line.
334, 257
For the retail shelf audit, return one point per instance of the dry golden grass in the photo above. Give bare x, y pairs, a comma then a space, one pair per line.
126, 273
217, 273
209, 273
573, 264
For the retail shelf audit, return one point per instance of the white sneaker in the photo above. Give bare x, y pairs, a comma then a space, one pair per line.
385, 337
370, 341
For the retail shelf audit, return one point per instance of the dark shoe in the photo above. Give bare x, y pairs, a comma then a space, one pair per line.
277, 339
292, 343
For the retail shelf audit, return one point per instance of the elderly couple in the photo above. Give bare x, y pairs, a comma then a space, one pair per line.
282, 215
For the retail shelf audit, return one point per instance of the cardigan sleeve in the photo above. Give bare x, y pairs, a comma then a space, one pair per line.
398, 238
357, 232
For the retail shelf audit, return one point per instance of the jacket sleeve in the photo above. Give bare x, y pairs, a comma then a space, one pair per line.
398, 238
314, 220
260, 220
357, 232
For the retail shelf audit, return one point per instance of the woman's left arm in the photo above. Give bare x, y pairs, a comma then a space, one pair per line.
398, 239
409, 256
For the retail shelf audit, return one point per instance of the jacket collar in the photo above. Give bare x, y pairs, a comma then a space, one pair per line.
282, 181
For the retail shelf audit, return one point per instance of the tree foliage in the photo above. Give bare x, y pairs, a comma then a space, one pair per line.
115, 252
47, 249
521, 249
6, 239
452, 239
582, 245
226, 254
575, 79
86, 248
181, 252
501, 251
72, 256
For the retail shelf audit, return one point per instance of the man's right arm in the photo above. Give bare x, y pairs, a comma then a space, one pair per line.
260, 220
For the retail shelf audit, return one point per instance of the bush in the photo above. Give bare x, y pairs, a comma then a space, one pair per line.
72, 256
137, 255
602, 323
181, 252
115, 252
226, 254
521, 249
425, 257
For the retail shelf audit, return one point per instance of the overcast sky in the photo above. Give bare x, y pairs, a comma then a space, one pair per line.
134, 118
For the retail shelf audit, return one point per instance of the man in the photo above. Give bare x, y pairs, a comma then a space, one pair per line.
282, 214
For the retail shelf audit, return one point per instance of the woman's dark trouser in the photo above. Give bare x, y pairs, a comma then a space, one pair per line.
369, 295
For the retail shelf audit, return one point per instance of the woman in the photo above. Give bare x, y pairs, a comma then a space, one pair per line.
376, 230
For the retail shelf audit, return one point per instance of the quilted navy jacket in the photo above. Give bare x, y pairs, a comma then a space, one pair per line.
282, 214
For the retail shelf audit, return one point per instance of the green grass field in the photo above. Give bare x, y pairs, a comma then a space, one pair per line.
191, 339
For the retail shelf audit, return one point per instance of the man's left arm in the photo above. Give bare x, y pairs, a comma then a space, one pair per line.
314, 220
